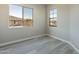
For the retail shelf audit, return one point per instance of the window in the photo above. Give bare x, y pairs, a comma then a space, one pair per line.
53, 17
19, 16
27, 17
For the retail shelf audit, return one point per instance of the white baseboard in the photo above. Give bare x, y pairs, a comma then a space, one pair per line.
73, 46
11, 42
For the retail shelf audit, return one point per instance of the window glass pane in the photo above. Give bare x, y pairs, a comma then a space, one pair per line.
51, 15
15, 12
51, 11
27, 17
27, 14
55, 15
15, 15
55, 11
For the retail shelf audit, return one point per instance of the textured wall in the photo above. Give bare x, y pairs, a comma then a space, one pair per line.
11, 34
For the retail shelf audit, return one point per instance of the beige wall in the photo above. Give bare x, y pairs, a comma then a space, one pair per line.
62, 29
68, 23
7, 34
74, 24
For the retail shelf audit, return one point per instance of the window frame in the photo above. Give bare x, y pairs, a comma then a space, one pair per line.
49, 21
22, 17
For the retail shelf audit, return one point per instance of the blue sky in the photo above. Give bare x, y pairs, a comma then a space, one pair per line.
53, 13
17, 11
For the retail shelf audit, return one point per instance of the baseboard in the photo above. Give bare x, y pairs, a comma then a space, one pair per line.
73, 46
12, 42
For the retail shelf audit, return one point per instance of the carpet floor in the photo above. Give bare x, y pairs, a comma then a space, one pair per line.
41, 45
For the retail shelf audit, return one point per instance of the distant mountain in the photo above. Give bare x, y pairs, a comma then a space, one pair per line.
16, 21
17, 18
14, 18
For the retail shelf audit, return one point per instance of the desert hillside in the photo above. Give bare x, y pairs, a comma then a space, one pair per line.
16, 21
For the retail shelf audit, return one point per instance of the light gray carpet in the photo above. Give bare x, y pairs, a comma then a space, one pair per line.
42, 45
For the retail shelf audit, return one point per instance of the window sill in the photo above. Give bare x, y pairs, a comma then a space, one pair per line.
16, 26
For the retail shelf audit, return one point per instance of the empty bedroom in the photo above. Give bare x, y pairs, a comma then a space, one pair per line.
39, 28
